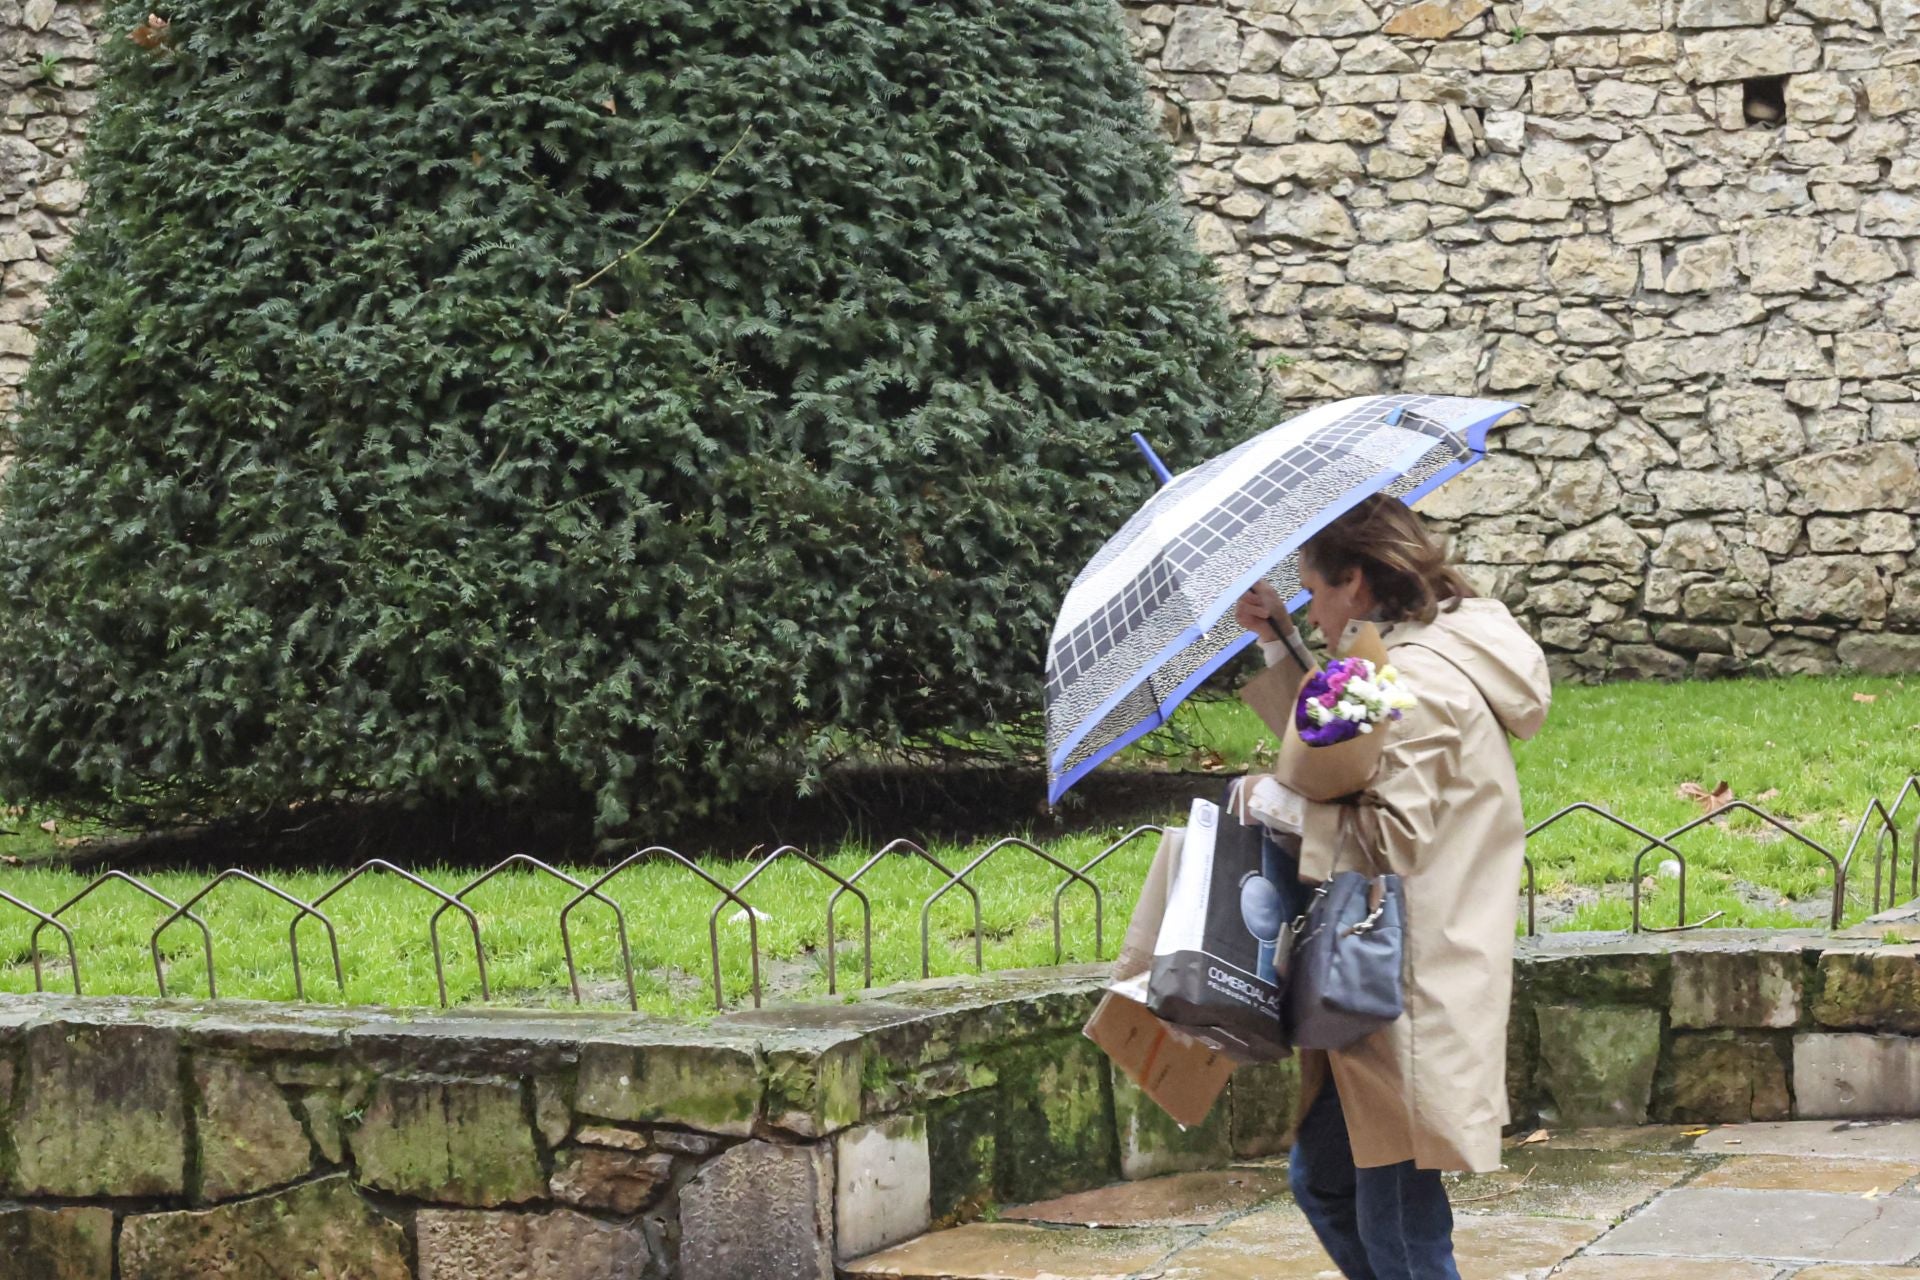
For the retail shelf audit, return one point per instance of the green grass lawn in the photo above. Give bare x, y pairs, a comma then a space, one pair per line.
1811, 748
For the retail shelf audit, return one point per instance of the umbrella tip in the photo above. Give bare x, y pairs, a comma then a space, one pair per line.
1158, 467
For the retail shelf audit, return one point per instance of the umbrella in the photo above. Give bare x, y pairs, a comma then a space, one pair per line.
1151, 616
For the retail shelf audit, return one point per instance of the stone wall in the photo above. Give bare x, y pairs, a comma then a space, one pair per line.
168, 1140
1682, 231
47, 74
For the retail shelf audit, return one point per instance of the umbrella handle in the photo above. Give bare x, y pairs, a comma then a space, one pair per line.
1160, 471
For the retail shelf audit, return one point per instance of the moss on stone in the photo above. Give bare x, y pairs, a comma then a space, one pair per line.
1262, 1099
464, 1142
1724, 1078
56, 1244
100, 1112
1151, 1142
317, 1229
710, 1087
1876, 990
1598, 1063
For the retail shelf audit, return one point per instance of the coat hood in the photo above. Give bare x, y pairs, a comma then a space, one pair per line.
1482, 639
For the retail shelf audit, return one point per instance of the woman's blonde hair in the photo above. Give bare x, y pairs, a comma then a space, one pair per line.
1407, 568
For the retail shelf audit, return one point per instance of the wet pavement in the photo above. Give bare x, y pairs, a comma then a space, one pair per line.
1811, 1200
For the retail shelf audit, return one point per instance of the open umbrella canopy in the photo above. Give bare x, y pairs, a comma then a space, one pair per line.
1151, 617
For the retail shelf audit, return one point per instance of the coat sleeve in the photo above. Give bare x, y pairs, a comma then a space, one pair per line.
1395, 817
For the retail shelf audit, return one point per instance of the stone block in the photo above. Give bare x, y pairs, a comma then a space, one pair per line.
1561, 17
1881, 653
1841, 1076
1602, 971
1505, 484
1722, 13
1414, 265
622, 1182
1890, 213
1875, 990
1435, 19
1718, 57
963, 1149
465, 1142
318, 1229
883, 1185
1598, 1063
813, 1092
1334, 17
1152, 1143
1262, 1099
99, 1112
1202, 39
248, 1137
1608, 541
467, 1244
759, 1209
1810, 588
322, 1110
1736, 988
57, 1244
712, 1088
1724, 1079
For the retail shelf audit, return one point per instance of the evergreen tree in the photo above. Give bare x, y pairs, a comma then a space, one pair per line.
591, 397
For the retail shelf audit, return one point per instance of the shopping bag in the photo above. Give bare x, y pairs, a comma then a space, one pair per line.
1219, 959
1180, 1069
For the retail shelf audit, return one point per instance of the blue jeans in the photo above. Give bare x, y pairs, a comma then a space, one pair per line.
1390, 1223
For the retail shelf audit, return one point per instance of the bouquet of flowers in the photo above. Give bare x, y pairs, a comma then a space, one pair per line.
1348, 698
1325, 721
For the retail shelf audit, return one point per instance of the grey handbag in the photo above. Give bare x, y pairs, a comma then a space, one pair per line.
1346, 971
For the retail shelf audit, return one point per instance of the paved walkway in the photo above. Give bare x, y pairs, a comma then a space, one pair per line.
1813, 1200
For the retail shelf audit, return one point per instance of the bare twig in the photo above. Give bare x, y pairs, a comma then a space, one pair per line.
1502, 1193
659, 227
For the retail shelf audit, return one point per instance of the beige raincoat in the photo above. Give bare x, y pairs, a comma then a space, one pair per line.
1443, 813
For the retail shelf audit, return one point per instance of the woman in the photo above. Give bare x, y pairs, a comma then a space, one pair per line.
1381, 1120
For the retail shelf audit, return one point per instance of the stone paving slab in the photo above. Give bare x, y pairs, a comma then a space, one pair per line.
1277, 1244
1591, 1267
1017, 1251
1180, 1200
1274, 1244
1541, 1181
1793, 1201
1827, 1139
1656, 1138
1789, 1226
1790, 1173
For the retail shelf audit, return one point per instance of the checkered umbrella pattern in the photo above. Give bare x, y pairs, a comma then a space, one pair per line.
1151, 617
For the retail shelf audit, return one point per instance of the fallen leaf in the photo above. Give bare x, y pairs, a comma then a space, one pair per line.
1696, 1133
1866, 697
1771, 793
1872, 1195
1538, 1135
611, 107
11, 861
49, 826
1710, 801
1733, 1142
150, 33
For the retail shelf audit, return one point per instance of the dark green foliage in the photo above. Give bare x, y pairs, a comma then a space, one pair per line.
331, 480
